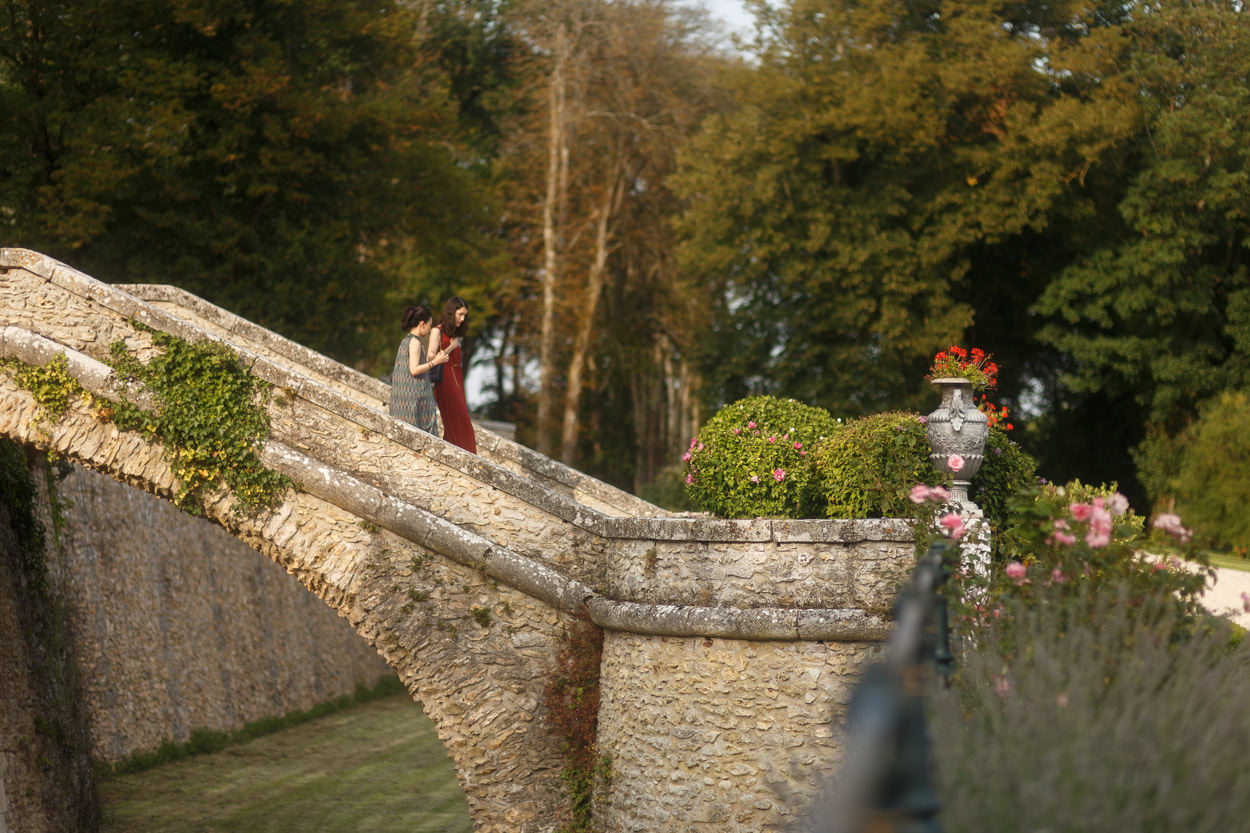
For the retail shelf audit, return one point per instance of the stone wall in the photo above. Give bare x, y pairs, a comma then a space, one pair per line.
179, 626
46, 784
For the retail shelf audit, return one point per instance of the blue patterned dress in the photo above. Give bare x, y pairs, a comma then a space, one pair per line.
412, 397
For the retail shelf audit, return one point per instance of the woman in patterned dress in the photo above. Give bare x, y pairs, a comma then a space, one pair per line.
412, 396
457, 427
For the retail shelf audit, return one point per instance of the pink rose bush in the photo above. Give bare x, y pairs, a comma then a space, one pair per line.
751, 460
1066, 540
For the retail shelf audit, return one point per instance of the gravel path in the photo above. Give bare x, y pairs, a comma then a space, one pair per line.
1224, 596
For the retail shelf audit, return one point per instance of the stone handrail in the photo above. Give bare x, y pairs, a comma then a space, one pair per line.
375, 394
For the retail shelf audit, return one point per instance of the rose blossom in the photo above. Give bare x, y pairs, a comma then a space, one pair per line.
779, 475
1171, 524
1016, 572
686, 457
755, 478
918, 494
1118, 504
1081, 511
954, 462
1099, 534
1066, 539
954, 524
689, 479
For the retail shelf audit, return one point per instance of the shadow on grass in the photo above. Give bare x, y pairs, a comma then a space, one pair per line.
377, 766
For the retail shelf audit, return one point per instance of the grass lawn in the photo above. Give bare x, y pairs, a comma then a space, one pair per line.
375, 767
1229, 561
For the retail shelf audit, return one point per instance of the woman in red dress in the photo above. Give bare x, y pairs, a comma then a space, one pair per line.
449, 392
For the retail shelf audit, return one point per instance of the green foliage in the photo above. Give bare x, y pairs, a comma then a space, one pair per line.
1205, 471
1006, 471
1067, 539
754, 458
52, 386
1131, 721
284, 160
869, 466
209, 416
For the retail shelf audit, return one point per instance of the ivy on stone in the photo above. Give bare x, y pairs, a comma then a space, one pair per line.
210, 416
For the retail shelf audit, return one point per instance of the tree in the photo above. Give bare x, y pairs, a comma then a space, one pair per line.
270, 157
1159, 311
621, 85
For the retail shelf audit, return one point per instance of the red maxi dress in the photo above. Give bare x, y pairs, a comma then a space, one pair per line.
449, 393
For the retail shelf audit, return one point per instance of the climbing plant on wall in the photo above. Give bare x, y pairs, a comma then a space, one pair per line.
210, 416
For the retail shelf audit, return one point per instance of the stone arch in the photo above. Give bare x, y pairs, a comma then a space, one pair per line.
479, 680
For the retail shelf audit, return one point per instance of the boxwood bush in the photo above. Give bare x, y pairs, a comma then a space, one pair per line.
754, 459
869, 467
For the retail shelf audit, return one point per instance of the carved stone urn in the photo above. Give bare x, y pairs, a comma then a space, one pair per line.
957, 427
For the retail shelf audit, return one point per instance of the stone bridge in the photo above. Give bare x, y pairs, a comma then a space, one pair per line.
730, 647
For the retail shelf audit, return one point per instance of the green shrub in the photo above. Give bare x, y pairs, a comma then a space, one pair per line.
1202, 473
1008, 470
754, 459
868, 467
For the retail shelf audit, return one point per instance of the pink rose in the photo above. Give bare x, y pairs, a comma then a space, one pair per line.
772, 439
751, 424
1118, 504
1081, 511
797, 446
1171, 524
755, 478
1066, 539
738, 431
1097, 539
779, 475
954, 462
918, 494
1057, 576
954, 524
1017, 572
686, 457
689, 479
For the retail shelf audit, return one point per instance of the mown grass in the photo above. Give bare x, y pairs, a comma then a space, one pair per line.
378, 767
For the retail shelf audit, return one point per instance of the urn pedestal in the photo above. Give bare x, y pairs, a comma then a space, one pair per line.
957, 427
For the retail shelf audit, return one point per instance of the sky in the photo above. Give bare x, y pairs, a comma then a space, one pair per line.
732, 12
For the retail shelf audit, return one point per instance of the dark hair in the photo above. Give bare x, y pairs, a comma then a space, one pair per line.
414, 316
448, 324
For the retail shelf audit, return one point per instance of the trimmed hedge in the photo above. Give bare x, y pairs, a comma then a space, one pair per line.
868, 469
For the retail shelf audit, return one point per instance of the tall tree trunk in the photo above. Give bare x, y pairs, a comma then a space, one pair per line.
553, 255
586, 316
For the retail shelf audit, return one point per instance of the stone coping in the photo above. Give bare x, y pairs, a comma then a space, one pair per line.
490, 442
472, 465
527, 575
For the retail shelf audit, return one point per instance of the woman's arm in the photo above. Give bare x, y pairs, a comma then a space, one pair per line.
415, 367
436, 343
